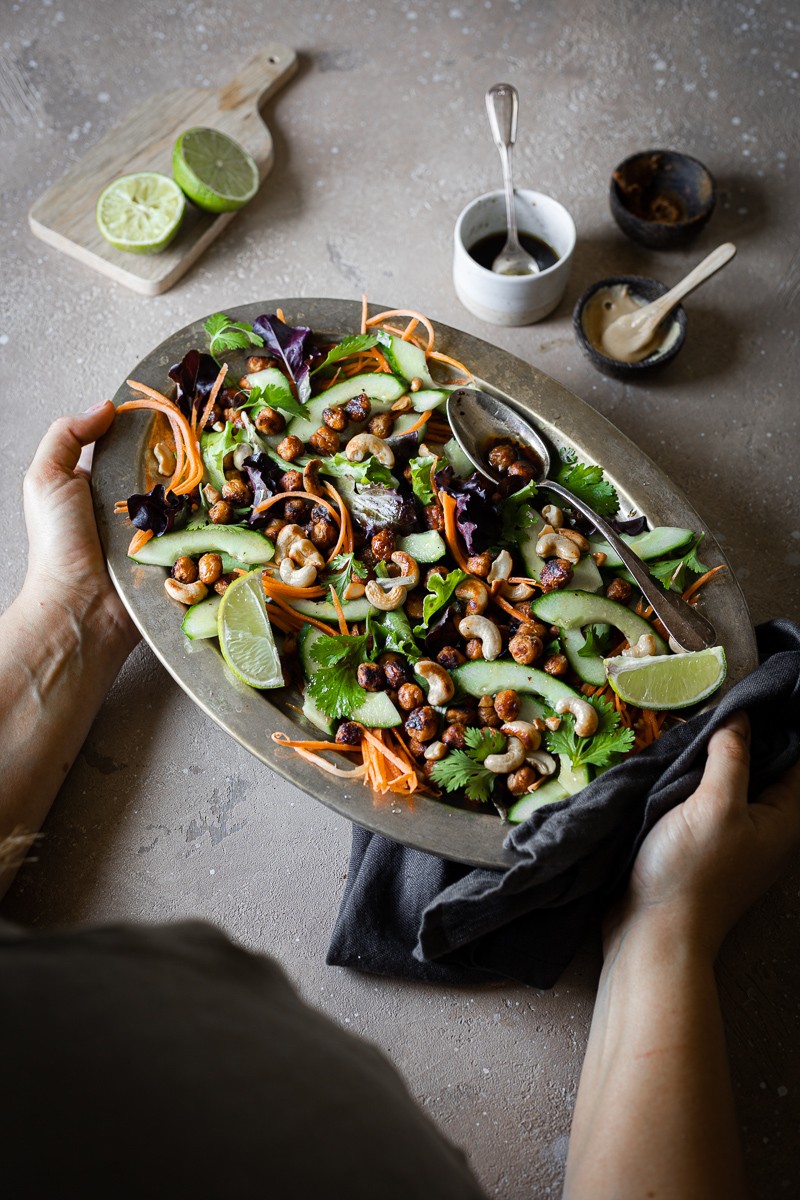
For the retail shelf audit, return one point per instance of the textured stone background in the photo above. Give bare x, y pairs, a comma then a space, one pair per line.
380, 140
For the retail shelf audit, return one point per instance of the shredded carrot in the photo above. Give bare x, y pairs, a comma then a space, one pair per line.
339, 613
139, 539
698, 583
344, 543
279, 315
419, 424
355, 772
364, 311
509, 608
212, 397
300, 618
451, 362
405, 312
295, 496
272, 584
339, 747
448, 503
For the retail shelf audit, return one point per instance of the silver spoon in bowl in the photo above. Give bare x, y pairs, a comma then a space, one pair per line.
478, 419
502, 105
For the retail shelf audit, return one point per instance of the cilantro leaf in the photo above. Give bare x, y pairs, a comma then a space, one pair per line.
603, 748
459, 772
440, 590
355, 343
483, 742
274, 396
421, 479
672, 572
517, 514
368, 471
588, 483
334, 686
340, 573
598, 638
225, 334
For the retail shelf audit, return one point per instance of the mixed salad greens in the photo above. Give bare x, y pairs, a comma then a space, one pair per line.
451, 635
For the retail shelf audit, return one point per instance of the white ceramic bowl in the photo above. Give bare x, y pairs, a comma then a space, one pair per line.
512, 299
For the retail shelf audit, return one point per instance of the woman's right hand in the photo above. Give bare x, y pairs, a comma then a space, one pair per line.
709, 859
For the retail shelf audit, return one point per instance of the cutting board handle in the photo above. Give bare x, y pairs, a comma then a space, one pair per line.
259, 77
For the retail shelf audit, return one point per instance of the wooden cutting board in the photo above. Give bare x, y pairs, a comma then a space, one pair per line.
64, 215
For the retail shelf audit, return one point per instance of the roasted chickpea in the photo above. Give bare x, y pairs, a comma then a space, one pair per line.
383, 545
487, 714
480, 564
460, 714
556, 573
434, 517
416, 747
209, 568
440, 571
410, 696
507, 704
474, 649
556, 664
322, 533
295, 512
359, 408
273, 528
290, 448
335, 418
521, 471
519, 782
257, 362
422, 723
222, 585
238, 492
291, 481
371, 677
450, 658
349, 733
324, 440
184, 569
269, 421
525, 648
381, 425
453, 736
414, 605
501, 457
221, 513
211, 494
619, 590
398, 670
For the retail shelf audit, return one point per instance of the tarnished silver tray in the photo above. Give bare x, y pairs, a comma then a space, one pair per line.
251, 717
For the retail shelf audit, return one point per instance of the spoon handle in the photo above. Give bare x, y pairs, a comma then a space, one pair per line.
716, 259
502, 106
684, 624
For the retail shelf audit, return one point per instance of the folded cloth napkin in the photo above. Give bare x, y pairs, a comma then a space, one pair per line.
412, 915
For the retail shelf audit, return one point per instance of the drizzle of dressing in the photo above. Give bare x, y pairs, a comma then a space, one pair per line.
615, 301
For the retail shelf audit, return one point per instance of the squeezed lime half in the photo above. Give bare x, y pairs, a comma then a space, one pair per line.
245, 633
214, 171
667, 681
140, 213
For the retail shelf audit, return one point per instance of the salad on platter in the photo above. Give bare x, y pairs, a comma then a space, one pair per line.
449, 636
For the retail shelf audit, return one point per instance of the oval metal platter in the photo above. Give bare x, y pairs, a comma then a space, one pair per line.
250, 716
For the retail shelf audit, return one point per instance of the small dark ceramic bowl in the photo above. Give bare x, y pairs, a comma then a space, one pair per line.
642, 288
661, 198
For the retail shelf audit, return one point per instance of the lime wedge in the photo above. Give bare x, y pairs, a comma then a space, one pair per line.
213, 170
667, 681
245, 633
140, 213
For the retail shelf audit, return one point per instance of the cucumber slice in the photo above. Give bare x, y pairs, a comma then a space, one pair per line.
428, 398
573, 610
200, 620
247, 546
320, 720
653, 543
585, 575
405, 359
424, 547
270, 377
323, 610
483, 678
382, 389
590, 670
458, 459
549, 793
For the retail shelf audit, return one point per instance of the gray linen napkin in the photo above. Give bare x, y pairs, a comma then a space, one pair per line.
412, 915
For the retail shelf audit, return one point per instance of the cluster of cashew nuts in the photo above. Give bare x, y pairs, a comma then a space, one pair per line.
297, 557
566, 544
522, 747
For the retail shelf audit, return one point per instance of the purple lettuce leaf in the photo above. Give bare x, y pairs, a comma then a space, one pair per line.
264, 476
195, 376
152, 510
477, 512
288, 343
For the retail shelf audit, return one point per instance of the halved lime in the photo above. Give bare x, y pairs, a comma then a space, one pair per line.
245, 633
667, 681
213, 170
140, 213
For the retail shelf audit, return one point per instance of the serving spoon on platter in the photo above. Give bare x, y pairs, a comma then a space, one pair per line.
502, 106
478, 420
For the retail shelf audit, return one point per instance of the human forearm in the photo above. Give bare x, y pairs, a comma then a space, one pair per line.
654, 1114
57, 662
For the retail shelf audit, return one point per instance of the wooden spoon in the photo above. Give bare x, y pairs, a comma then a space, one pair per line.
635, 335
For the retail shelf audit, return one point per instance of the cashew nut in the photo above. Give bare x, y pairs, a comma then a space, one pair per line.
185, 593
303, 551
583, 712
440, 685
511, 760
554, 545
541, 761
645, 647
435, 751
599, 557
553, 515
487, 633
364, 444
501, 567
515, 592
385, 601
578, 538
286, 536
354, 589
165, 458
311, 482
297, 576
409, 572
242, 451
476, 594
528, 734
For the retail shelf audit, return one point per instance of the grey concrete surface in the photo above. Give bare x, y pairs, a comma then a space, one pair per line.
380, 139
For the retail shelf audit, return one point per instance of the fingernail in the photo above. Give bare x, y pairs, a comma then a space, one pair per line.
96, 407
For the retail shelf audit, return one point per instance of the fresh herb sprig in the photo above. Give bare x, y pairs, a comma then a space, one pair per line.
227, 334
672, 572
340, 573
463, 770
588, 483
274, 396
335, 686
603, 748
355, 343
